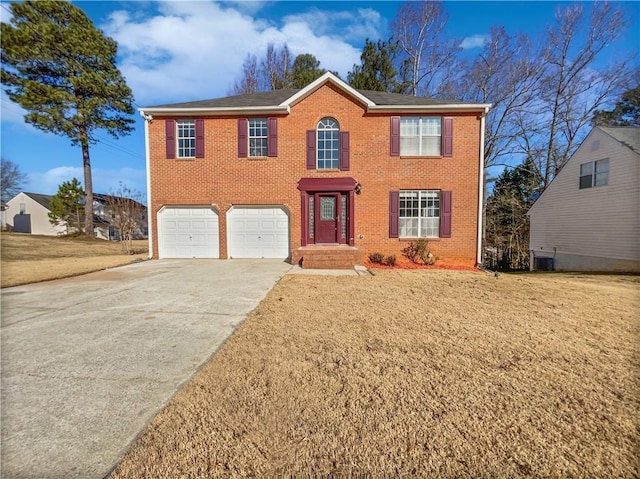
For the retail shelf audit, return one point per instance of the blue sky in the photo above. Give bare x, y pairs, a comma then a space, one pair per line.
176, 51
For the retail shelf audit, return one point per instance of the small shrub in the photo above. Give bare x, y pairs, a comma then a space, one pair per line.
389, 260
419, 251
376, 258
411, 252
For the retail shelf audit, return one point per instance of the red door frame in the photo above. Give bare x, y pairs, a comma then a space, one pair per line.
312, 186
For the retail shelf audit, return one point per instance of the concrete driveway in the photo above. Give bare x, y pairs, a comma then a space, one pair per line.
88, 361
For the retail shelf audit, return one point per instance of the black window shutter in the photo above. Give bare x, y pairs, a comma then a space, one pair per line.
394, 206
243, 143
311, 149
199, 138
445, 214
447, 136
395, 136
170, 138
344, 150
272, 136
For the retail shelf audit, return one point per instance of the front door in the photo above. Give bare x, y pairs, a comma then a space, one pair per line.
327, 218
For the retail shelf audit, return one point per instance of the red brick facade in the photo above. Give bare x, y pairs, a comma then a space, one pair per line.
221, 179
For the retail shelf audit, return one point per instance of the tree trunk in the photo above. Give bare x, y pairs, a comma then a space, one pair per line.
88, 189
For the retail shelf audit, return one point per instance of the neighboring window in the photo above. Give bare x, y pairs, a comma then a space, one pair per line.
594, 173
419, 215
420, 136
258, 138
186, 136
328, 144
23, 208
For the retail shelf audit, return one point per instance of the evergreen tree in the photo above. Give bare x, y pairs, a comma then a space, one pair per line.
625, 113
67, 206
62, 70
507, 226
305, 69
376, 71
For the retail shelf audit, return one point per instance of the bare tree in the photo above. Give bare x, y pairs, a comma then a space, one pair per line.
571, 88
11, 179
126, 215
275, 68
505, 74
249, 81
429, 60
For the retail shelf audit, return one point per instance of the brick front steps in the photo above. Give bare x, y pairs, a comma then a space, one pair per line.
327, 257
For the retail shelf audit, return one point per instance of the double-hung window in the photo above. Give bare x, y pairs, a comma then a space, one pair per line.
594, 173
258, 137
420, 136
186, 137
419, 215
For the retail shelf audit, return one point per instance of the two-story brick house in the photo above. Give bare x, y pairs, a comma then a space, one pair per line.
321, 176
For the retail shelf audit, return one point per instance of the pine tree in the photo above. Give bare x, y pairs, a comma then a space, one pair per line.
376, 71
305, 69
507, 228
625, 113
62, 70
67, 206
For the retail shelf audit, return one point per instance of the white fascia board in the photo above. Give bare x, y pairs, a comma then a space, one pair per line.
231, 111
464, 107
327, 77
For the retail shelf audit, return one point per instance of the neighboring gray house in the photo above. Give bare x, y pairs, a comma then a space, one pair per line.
29, 213
588, 218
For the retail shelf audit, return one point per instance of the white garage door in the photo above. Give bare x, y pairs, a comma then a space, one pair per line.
258, 232
188, 233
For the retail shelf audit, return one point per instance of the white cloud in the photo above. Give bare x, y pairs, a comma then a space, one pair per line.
349, 26
474, 41
195, 50
104, 180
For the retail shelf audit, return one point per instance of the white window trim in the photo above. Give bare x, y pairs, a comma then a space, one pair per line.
594, 173
335, 160
255, 137
180, 151
421, 217
420, 136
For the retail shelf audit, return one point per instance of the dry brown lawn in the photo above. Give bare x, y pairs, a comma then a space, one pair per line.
414, 374
32, 258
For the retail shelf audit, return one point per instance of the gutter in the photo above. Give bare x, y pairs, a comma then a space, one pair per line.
481, 186
221, 111
448, 108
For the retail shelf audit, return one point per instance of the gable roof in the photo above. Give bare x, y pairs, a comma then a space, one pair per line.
627, 135
281, 101
44, 200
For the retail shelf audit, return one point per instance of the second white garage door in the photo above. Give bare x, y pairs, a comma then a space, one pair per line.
258, 232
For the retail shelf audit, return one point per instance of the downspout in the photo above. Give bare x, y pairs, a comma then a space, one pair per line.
147, 119
481, 189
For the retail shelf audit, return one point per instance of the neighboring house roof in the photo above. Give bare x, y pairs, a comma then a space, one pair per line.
627, 135
44, 200
281, 101
102, 198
